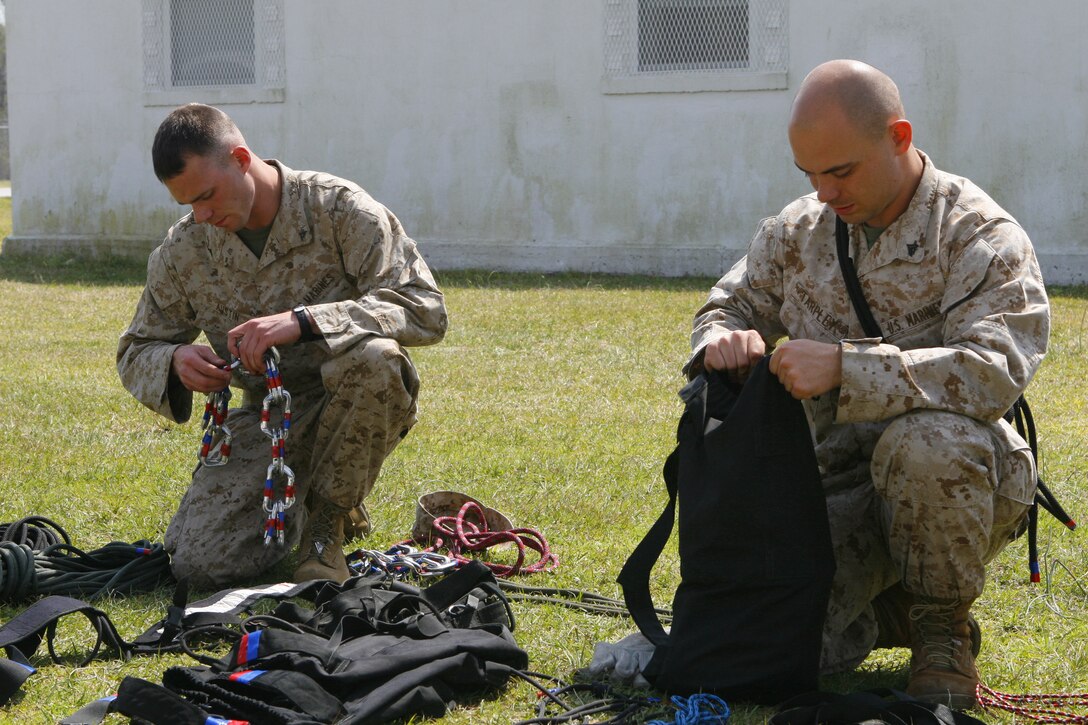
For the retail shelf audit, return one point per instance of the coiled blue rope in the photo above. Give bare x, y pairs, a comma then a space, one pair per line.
698, 709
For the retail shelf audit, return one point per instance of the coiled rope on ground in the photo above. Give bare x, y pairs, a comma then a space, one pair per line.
37, 558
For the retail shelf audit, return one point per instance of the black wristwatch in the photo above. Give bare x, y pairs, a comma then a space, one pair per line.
304, 326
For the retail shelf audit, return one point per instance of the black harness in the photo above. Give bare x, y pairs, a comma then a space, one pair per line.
370, 650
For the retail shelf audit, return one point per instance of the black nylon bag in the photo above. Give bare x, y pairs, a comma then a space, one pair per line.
756, 561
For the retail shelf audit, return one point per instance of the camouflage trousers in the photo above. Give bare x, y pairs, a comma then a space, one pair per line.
342, 429
941, 497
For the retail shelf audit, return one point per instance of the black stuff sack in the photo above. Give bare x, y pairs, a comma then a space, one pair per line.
756, 562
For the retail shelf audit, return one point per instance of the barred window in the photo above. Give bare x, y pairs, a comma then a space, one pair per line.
231, 49
211, 42
686, 45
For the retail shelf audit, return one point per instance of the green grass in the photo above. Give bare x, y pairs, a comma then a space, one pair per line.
552, 399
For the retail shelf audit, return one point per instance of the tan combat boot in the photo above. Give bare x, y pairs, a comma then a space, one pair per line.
321, 550
892, 610
942, 665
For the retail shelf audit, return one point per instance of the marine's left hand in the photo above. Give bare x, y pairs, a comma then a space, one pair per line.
807, 368
250, 340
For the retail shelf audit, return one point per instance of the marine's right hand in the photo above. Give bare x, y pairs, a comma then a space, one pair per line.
199, 369
735, 352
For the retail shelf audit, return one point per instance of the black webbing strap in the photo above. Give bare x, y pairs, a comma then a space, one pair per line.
263, 696
447, 592
91, 714
39, 621
142, 701
222, 608
13, 673
634, 577
853, 284
21, 636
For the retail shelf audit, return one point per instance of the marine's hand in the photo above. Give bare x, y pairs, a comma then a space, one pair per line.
250, 340
735, 352
807, 368
199, 369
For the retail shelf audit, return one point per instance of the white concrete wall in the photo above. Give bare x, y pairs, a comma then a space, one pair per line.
483, 125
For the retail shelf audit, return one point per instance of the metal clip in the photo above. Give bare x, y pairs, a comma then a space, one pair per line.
278, 466
215, 446
285, 418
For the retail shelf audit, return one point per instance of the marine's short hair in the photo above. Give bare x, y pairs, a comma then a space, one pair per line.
191, 130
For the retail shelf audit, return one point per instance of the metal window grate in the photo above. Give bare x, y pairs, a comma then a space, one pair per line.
213, 43
664, 37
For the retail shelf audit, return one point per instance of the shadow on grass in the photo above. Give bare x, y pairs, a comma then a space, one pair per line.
868, 677
62, 269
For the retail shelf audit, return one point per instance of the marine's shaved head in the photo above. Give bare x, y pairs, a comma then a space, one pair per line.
867, 97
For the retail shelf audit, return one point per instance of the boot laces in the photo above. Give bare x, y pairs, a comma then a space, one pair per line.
934, 623
321, 529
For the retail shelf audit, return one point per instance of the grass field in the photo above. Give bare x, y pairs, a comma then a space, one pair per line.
552, 399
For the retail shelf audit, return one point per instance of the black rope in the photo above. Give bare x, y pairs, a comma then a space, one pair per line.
37, 532
1044, 499
37, 558
605, 700
572, 599
221, 634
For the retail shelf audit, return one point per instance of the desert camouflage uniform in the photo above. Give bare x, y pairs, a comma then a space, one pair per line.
346, 257
924, 481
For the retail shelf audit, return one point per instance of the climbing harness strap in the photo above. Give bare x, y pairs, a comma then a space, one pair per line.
222, 608
13, 673
26, 630
146, 702
21, 636
215, 445
383, 649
